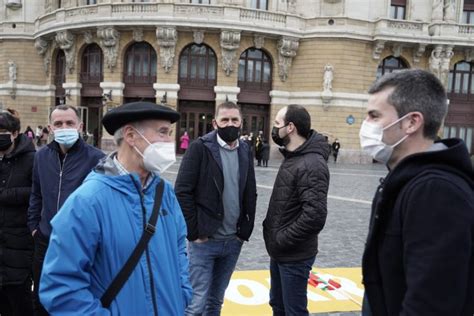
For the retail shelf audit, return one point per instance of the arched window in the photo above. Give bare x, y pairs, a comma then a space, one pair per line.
92, 64
140, 64
60, 76
259, 4
255, 76
255, 69
197, 73
461, 80
390, 64
140, 72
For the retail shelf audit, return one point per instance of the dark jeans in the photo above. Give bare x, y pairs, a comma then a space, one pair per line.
41, 245
15, 300
289, 286
210, 267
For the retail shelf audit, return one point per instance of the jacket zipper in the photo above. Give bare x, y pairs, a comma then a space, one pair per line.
148, 260
60, 179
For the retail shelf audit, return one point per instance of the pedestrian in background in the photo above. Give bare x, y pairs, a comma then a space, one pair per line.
94, 234
421, 235
29, 133
335, 149
44, 136
217, 192
258, 149
297, 209
16, 245
265, 152
59, 168
184, 142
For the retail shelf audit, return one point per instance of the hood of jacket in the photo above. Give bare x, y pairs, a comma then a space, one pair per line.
22, 145
455, 158
316, 143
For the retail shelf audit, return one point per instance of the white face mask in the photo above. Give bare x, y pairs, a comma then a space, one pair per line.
371, 136
158, 156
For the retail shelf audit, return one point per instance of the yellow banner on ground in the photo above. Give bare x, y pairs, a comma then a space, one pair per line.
334, 290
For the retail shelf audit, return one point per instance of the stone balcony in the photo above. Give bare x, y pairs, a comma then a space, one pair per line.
222, 17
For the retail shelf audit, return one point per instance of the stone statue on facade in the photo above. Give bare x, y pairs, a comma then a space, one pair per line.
328, 77
445, 62
435, 61
437, 13
12, 71
450, 11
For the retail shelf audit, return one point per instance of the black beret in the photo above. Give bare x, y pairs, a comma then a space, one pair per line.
137, 111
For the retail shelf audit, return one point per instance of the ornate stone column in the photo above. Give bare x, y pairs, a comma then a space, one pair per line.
287, 48
109, 42
43, 49
66, 41
167, 37
230, 42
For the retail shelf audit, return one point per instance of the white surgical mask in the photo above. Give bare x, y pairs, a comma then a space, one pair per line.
158, 156
371, 136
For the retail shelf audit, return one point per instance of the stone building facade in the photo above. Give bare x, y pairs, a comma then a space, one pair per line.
263, 54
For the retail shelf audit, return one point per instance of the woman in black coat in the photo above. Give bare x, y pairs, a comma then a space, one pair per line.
16, 244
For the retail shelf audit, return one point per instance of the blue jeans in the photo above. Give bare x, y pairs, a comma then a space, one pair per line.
210, 267
289, 286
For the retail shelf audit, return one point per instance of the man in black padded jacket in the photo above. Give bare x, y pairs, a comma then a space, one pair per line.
297, 210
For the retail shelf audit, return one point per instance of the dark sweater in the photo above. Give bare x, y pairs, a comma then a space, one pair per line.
419, 256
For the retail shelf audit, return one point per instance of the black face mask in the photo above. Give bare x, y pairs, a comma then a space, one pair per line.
276, 137
228, 133
5, 142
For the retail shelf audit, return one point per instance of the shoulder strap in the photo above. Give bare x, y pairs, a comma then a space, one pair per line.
122, 277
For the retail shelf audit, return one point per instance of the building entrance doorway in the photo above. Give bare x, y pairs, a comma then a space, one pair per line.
255, 118
196, 118
91, 115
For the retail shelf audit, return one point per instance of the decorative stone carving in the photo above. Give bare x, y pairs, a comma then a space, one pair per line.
258, 41
292, 6
198, 37
138, 34
328, 77
445, 61
287, 48
88, 37
450, 11
230, 42
435, 60
397, 50
437, 11
439, 62
378, 49
42, 48
418, 52
11, 71
167, 38
469, 53
109, 41
66, 41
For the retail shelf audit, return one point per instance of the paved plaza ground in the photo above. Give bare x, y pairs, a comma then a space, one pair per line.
341, 242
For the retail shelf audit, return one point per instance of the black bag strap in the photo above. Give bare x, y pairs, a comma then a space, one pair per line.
127, 269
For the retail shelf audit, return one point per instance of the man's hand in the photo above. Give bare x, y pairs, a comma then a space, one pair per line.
201, 240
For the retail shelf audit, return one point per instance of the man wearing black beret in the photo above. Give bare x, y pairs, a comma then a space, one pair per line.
101, 224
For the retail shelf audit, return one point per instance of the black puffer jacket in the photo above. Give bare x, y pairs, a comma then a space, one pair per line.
16, 243
298, 205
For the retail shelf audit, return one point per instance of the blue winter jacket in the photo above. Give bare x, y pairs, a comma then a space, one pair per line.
93, 235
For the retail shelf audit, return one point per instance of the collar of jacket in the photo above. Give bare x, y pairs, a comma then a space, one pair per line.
74, 148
